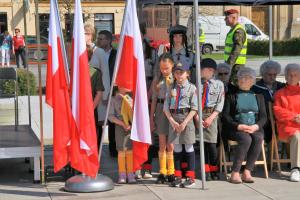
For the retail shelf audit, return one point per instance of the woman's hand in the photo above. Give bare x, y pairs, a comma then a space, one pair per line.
242, 127
248, 129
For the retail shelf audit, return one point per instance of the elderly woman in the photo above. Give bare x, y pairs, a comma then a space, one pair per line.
267, 86
244, 116
287, 113
223, 74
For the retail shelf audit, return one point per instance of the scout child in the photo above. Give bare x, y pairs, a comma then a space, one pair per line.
180, 106
159, 121
212, 105
121, 114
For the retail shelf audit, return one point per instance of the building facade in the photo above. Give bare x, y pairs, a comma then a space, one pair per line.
103, 14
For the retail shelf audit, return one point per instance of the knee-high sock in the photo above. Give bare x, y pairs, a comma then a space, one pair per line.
177, 163
121, 162
190, 157
129, 161
170, 163
162, 162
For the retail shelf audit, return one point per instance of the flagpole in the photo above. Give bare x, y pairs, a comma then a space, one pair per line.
116, 67
198, 78
62, 44
40, 91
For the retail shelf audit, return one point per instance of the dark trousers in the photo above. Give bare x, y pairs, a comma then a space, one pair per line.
112, 140
20, 53
249, 148
211, 153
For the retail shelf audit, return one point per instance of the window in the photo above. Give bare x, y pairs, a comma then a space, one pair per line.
104, 21
3, 22
251, 30
44, 24
162, 17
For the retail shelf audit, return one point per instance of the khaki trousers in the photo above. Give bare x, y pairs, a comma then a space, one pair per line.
295, 150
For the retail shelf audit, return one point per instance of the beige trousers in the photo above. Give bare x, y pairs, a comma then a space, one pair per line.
295, 150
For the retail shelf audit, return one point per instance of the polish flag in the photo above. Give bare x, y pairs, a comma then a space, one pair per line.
57, 95
84, 154
131, 75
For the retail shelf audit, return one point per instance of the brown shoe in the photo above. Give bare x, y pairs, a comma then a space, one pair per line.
248, 180
235, 181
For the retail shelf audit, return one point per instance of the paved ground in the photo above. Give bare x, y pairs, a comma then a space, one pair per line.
16, 183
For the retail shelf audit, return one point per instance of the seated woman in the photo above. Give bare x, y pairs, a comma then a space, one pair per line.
267, 86
287, 113
244, 116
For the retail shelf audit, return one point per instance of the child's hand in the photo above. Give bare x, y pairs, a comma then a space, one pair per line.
182, 126
174, 124
207, 122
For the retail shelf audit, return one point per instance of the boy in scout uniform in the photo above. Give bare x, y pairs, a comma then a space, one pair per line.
180, 106
159, 121
212, 105
120, 113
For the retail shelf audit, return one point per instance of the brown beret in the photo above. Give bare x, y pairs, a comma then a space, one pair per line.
230, 11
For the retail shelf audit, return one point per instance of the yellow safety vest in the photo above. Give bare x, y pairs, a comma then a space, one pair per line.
241, 59
202, 36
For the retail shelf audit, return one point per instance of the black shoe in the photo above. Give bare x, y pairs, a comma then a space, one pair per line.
215, 176
208, 176
161, 179
177, 182
171, 178
189, 182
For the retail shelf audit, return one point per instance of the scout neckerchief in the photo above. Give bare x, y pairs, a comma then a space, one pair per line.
177, 97
205, 94
126, 109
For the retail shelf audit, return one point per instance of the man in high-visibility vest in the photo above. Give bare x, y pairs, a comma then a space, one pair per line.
201, 37
235, 51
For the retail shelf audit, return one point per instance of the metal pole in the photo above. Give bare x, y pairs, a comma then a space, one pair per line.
37, 28
112, 82
270, 32
62, 44
198, 81
26, 61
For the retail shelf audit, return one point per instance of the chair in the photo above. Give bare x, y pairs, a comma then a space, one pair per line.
10, 74
274, 143
226, 164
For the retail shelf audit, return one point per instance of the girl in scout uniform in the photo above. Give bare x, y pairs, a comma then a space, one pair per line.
180, 106
159, 121
212, 105
121, 114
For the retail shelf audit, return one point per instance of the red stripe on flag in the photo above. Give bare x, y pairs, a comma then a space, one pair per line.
57, 96
127, 72
140, 154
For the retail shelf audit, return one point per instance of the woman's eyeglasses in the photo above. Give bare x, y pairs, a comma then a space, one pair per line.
223, 74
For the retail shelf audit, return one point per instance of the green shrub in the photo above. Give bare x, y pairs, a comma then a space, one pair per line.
290, 47
8, 86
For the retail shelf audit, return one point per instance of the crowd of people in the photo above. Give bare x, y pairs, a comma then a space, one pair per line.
234, 107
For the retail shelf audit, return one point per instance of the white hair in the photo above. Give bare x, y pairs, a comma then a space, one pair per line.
246, 71
224, 66
269, 64
291, 66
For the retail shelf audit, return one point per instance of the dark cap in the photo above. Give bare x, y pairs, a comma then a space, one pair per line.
177, 29
183, 65
230, 11
208, 63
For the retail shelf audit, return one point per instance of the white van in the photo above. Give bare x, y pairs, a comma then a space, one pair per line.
215, 30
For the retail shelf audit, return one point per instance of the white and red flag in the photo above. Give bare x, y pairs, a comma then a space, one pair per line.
84, 154
131, 75
57, 94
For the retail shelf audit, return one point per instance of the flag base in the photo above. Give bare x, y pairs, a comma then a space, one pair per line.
85, 184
